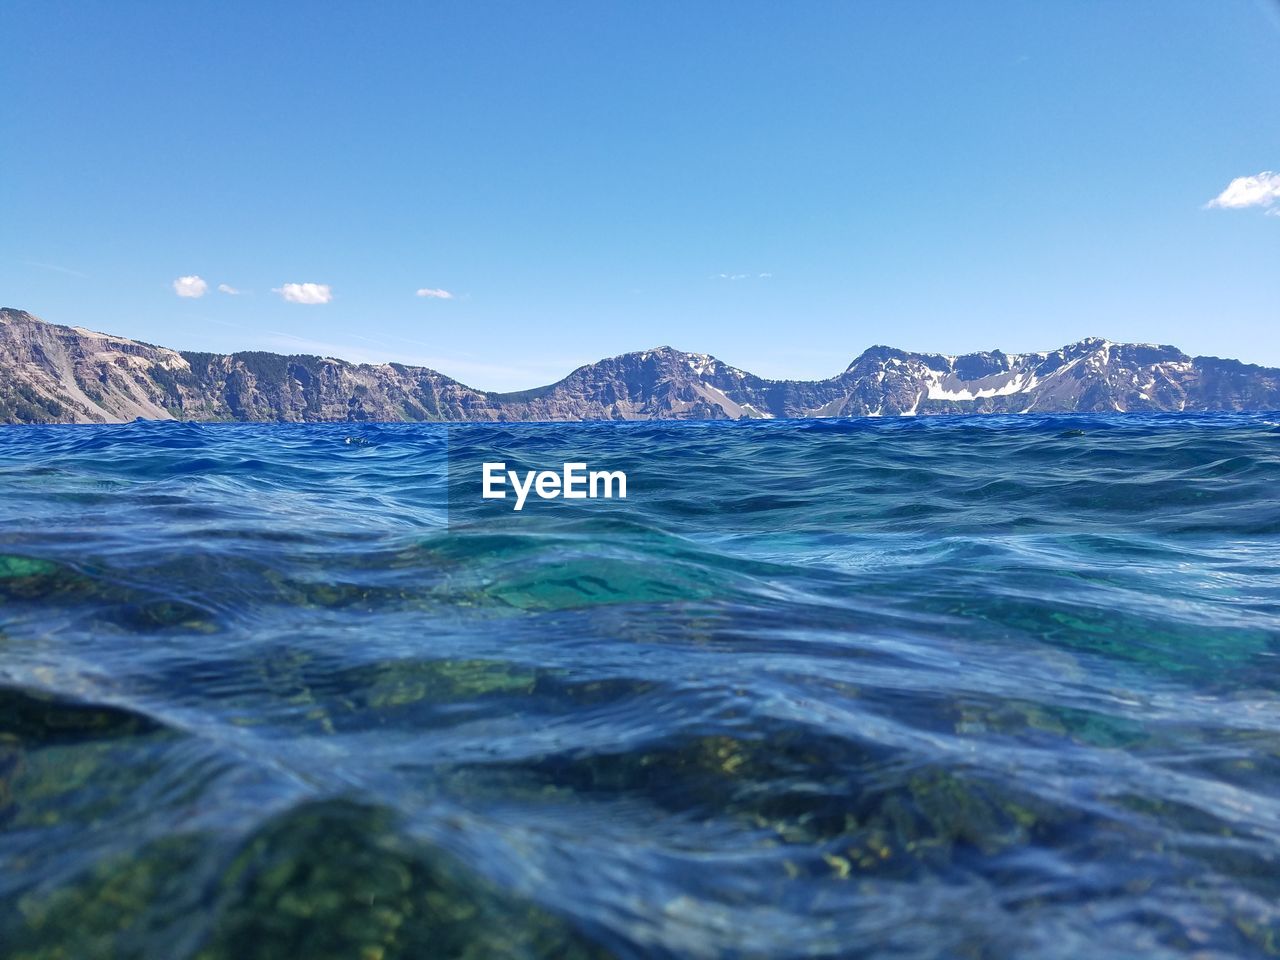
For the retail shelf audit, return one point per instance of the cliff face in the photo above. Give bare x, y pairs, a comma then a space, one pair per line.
268, 386
52, 374
56, 374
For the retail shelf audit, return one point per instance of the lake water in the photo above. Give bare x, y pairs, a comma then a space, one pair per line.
963, 687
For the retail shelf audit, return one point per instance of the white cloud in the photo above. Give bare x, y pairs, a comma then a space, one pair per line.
193, 287
1260, 191
305, 292
227, 288
435, 293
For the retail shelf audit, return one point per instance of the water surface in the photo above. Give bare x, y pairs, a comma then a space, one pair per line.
970, 687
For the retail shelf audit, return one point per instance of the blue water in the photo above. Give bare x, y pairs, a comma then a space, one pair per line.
961, 687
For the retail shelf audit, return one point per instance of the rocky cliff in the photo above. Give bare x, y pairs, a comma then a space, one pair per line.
52, 374
56, 374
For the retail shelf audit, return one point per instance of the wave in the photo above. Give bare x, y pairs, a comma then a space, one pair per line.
1001, 686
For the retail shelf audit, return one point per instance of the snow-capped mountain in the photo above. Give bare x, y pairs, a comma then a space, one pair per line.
51, 373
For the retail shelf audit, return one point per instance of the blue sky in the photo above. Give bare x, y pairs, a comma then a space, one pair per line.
780, 184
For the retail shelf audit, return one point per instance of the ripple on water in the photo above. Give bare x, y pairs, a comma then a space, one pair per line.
947, 686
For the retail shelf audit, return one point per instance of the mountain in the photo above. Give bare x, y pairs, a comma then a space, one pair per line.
57, 374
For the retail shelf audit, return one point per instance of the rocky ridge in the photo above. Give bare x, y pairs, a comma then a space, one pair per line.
58, 374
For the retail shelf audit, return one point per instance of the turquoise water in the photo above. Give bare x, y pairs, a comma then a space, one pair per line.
962, 687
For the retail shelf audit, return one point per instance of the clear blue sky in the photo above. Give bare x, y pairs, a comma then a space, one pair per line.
932, 175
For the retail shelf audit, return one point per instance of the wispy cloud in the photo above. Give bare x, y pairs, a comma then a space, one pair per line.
434, 293
228, 289
56, 269
192, 287
1258, 191
478, 374
741, 276
309, 293
339, 351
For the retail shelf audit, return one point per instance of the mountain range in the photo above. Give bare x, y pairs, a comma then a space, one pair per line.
57, 374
